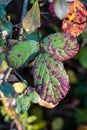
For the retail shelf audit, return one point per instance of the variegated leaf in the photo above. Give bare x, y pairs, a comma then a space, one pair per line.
50, 78
63, 45
21, 52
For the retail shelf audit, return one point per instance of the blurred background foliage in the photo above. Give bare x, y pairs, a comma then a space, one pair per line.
71, 113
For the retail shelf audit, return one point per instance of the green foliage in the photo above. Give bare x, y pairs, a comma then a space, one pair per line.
82, 56
64, 46
22, 104
2, 12
42, 59
7, 26
33, 97
52, 85
4, 113
7, 89
21, 52
81, 115
57, 123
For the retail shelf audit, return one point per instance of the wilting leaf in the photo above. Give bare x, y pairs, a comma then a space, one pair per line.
7, 89
75, 20
62, 45
50, 78
21, 52
22, 104
32, 19
60, 8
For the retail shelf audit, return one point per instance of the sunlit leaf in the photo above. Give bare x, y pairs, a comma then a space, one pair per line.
50, 78
75, 20
21, 52
22, 104
60, 8
7, 89
32, 19
62, 45
18, 87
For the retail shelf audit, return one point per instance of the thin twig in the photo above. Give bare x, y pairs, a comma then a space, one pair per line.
7, 73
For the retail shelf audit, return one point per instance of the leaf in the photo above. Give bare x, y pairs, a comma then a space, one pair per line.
60, 8
22, 104
57, 123
34, 36
81, 115
21, 52
75, 20
82, 57
19, 87
52, 85
62, 45
2, 13
33, 96
5, 1
32, 19
6, 26
7, 89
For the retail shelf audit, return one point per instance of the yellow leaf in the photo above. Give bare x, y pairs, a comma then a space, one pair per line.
32, 19
18, 87
3, 66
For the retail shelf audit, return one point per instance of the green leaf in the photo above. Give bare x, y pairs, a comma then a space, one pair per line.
5, 1
33, 96
57, 123
32, 19
7, 26
7, 89
81, 115
2, 12
82, 56
62, 45
50, 78
22, 104
34, 36
21, 52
